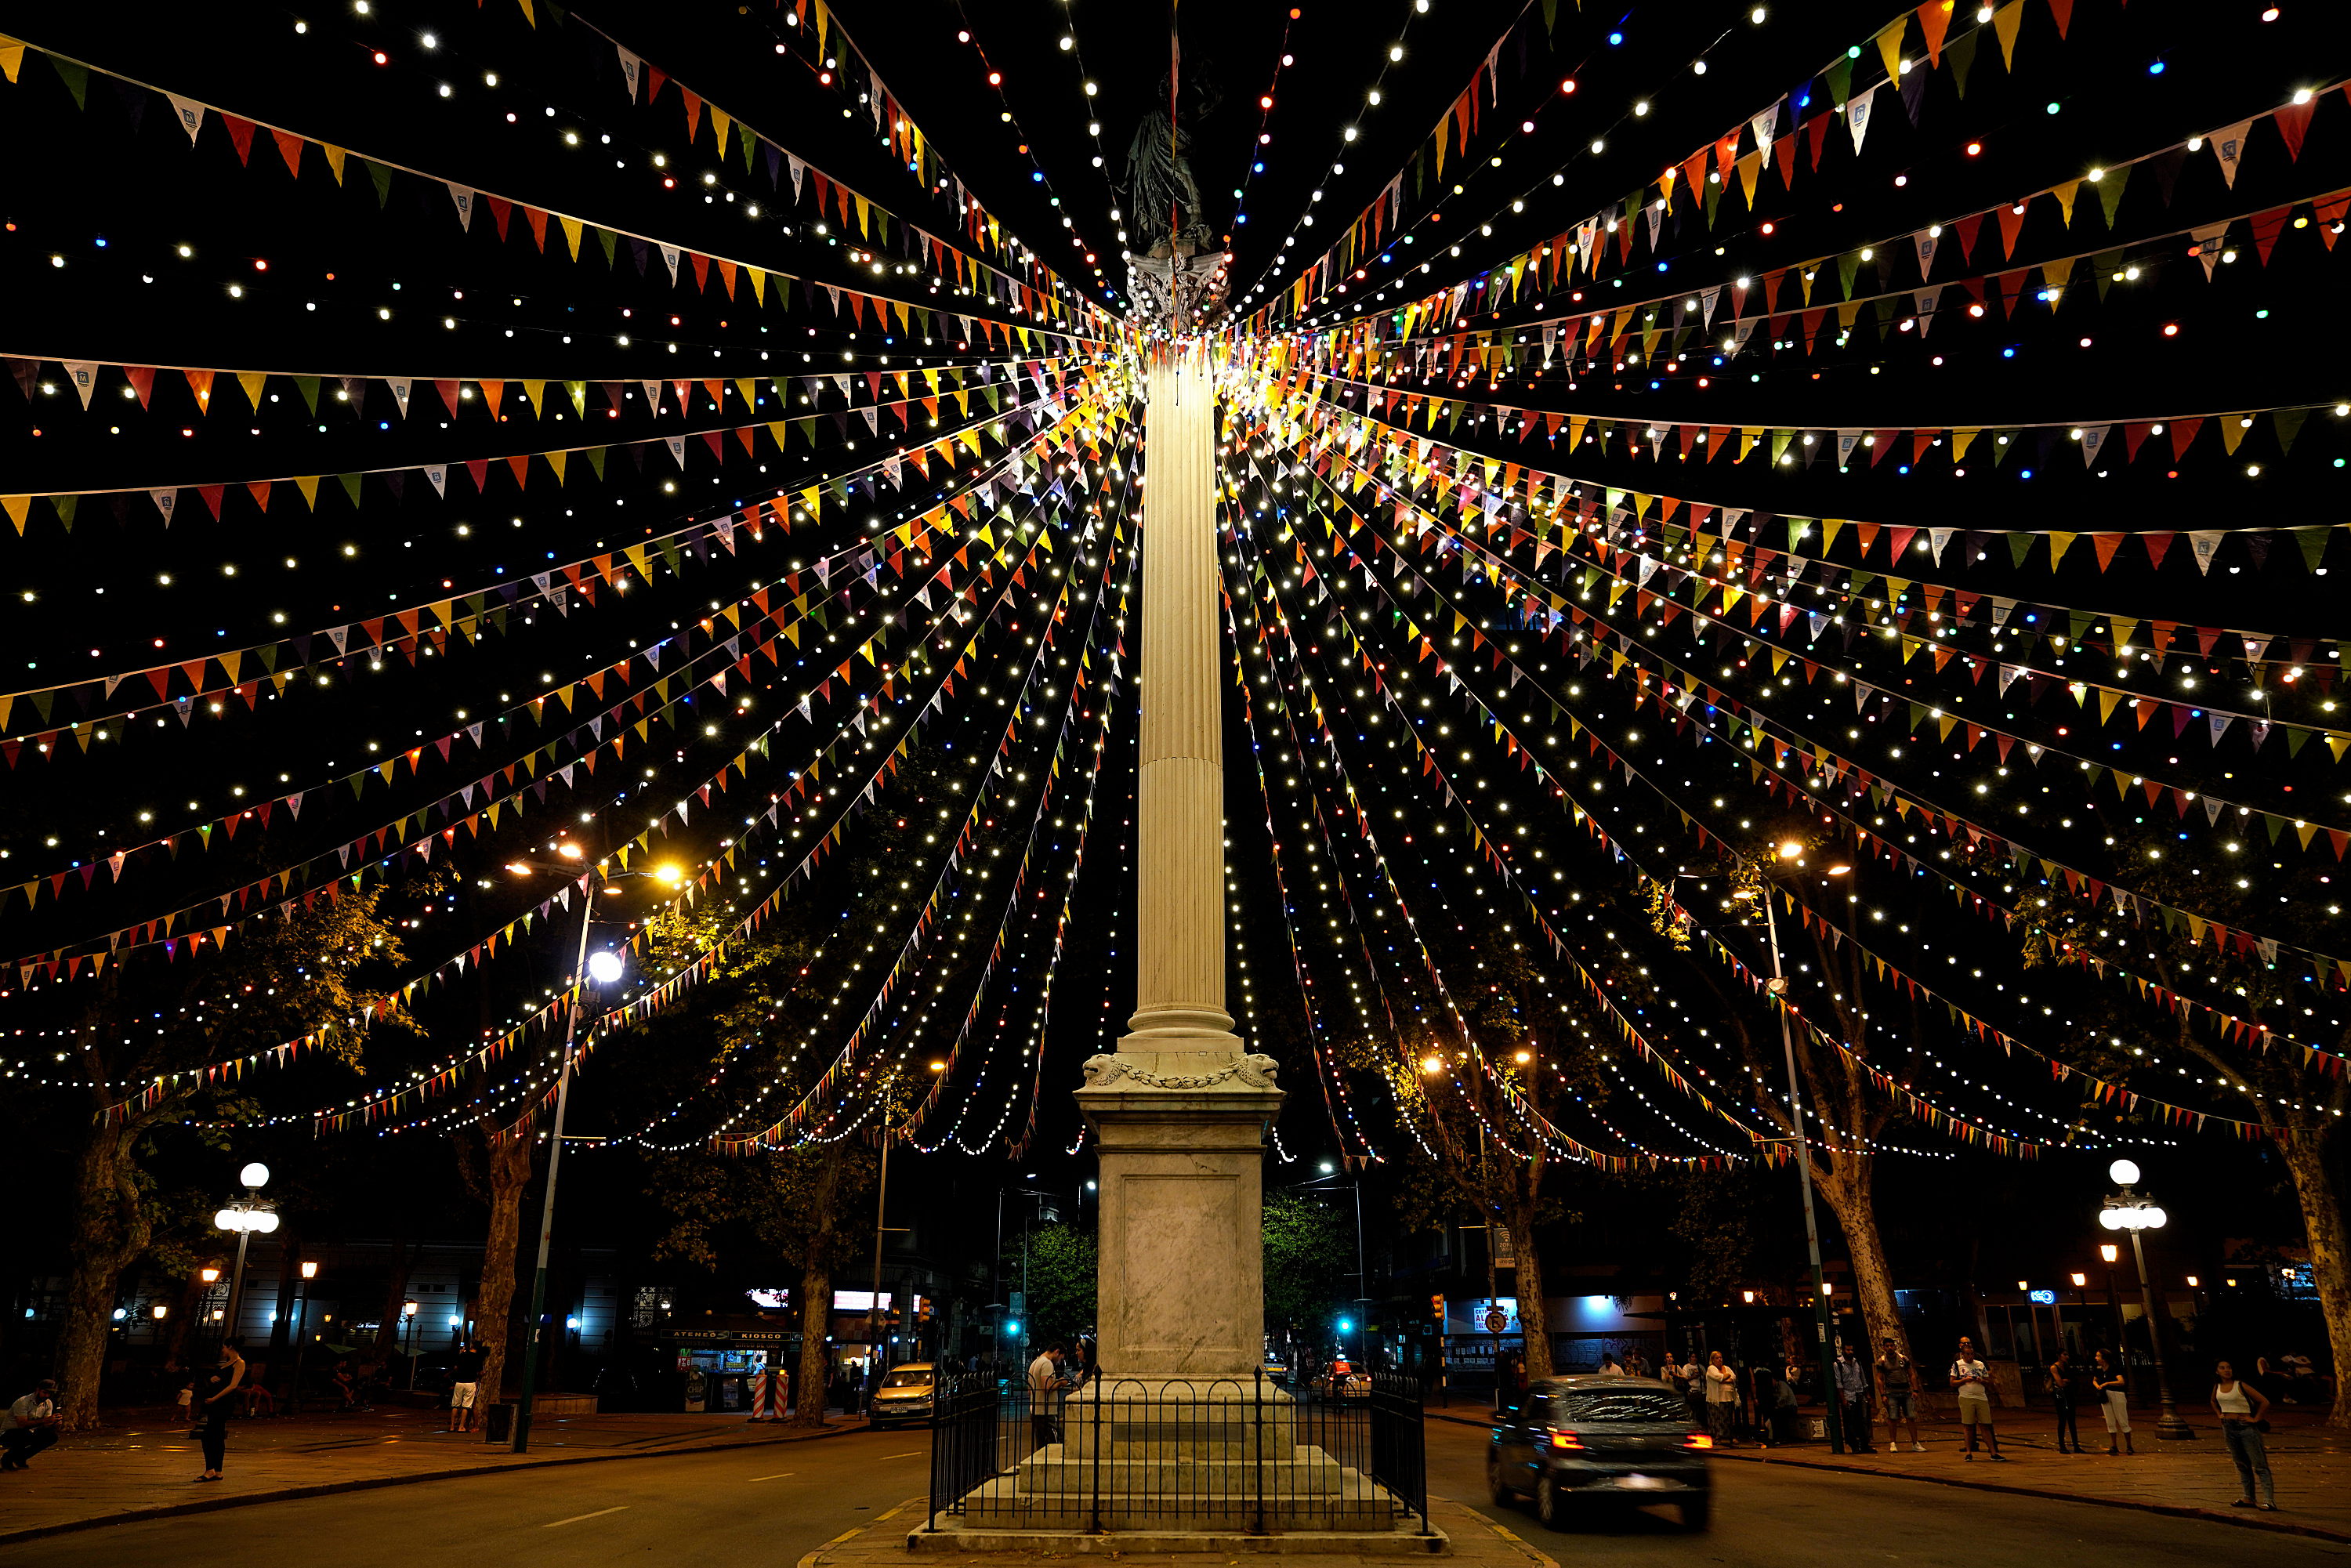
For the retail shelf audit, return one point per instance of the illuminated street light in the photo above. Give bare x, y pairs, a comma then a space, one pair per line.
2131, 1211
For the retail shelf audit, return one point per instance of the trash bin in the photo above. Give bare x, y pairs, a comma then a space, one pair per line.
497, 1426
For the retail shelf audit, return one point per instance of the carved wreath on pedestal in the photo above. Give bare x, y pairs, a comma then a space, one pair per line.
1255, 1070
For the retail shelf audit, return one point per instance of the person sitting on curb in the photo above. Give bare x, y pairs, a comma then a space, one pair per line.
1972, 1380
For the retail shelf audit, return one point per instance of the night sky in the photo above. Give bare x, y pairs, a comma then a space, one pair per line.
128, 246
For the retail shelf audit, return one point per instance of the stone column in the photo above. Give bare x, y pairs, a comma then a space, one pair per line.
1178, 1114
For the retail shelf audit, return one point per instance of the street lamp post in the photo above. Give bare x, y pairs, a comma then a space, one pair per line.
583, 969
301, 1334
248, 1215
2126, 1210
1776, 988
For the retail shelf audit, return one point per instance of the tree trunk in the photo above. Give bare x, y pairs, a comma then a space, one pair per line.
2330, 1253
1845, 1181
816, 1297
1533, 1326
510, 1167
110, 1229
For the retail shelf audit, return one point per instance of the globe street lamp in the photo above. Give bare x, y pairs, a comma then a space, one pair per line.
2130, 1211
604, 968
245, 1216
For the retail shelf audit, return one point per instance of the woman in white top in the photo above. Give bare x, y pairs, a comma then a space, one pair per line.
1721, 1400
2243, 1414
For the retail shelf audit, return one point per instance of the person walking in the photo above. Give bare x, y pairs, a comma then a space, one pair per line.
1972, 1381
1045, 1385
2065, 1391
1853, 1399
2244, 1413
214, 1407
2113, 1389
1897, 1392
29, 1425
1721, 1400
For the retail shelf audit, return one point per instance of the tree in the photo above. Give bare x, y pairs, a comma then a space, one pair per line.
308, 973
1524, 1052
497, 1169
796, 1204
1310, 1250
2302, 1108
1852, 1112
1059, 1263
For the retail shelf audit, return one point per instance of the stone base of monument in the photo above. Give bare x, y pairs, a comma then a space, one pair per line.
1189, 1467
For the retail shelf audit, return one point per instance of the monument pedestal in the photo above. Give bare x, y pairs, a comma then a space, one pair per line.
1179, 1139
1184, 1456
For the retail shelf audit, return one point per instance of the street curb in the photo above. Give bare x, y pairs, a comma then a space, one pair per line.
807, 1560
372, 1483
2173, 1510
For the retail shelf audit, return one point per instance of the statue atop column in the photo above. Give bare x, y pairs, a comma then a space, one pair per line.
1163, 197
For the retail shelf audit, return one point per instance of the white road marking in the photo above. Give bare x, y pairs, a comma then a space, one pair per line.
909, 1454
780, 1475
578, 1517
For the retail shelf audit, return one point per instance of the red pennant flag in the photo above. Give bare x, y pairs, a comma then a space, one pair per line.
240, 131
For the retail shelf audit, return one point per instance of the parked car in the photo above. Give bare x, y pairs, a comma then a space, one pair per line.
1580, 1442
906, 1394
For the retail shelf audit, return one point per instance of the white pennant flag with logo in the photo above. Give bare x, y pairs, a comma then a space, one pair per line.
83, 374
631, 66
189, 112
669, 258
438, 477
2228, 145
676, 448
2094, 441
2205, 544
652, 396
167, 501
1856, 115
398, 385
464, 200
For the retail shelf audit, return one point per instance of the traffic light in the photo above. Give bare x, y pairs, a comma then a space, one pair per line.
1437, 1310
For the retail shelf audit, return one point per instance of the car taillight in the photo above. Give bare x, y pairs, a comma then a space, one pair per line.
1697, 1440
1566, 1440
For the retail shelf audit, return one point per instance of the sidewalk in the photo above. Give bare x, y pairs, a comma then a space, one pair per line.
146, 1469
2191, 1480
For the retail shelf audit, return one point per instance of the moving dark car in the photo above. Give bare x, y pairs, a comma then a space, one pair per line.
1578, 1443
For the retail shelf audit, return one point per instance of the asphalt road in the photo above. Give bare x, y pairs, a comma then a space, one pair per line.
1769, 1516
770, 1505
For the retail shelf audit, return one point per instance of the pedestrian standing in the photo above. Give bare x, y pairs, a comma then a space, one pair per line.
1759, 1385
2113, 1389
2065, 1390
1972, 1381
1045, 1385
213, 1405
2244, 1414
1853, 1399
1721, 1400
1897, 1390
464, 1386
28, 1425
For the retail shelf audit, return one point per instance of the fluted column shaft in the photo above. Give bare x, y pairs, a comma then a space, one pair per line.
1179, 821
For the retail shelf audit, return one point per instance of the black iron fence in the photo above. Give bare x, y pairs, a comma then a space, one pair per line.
1232, 1455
